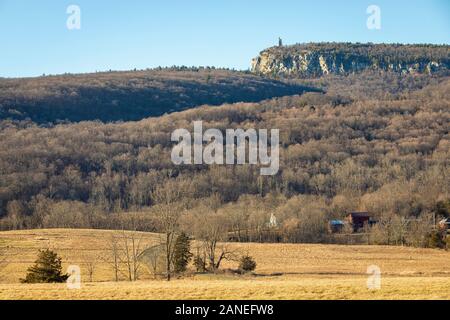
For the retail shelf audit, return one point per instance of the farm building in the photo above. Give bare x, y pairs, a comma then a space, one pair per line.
359, 219
444, 224
336, 226
273, 221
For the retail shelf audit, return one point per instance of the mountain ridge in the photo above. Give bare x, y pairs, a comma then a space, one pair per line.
132, 95
312, 60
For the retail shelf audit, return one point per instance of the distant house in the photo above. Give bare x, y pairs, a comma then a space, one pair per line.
359, 219
444, 224
336, 226
273, 221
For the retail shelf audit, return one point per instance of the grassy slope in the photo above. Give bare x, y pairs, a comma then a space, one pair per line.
308, 271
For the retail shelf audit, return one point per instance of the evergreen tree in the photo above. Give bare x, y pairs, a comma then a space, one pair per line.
47, 269
182, 253
437, 240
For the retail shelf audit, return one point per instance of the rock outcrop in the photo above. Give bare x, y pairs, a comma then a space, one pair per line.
317, 59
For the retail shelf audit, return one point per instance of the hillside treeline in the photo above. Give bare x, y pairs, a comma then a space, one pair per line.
381, 146
386, 53
130, 96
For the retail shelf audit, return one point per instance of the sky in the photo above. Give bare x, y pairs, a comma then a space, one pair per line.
123, 35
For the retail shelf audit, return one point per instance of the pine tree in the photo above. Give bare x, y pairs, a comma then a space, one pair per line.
182, 253
436, 240
47, 269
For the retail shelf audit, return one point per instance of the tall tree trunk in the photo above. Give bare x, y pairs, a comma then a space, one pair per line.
168, 255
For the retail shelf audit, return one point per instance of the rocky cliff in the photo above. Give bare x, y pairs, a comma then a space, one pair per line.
317, 59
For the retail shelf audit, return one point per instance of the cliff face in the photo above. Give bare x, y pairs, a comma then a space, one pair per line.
315, 60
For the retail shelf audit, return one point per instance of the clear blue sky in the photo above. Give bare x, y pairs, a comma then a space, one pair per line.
120, 35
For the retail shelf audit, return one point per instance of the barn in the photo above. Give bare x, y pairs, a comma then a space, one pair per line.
359, 219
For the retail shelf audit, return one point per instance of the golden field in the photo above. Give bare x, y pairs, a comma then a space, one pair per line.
284, 271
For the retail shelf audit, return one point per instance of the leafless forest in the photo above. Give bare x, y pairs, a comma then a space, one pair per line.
376, 142
130, 96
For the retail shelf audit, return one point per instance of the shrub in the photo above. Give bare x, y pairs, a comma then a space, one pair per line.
436, 240
47, 269
247, 264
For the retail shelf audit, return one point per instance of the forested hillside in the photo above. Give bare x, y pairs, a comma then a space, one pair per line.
129, 96
376, 141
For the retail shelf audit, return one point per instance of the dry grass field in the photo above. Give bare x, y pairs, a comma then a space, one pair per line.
284, 271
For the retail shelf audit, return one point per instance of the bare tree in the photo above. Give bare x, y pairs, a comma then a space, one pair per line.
223, 252
211, 227
168, 210
399, 229
212, 234
125, 249
419, 230
115, 256
154, 259
168, 216
90, 265
131, 246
